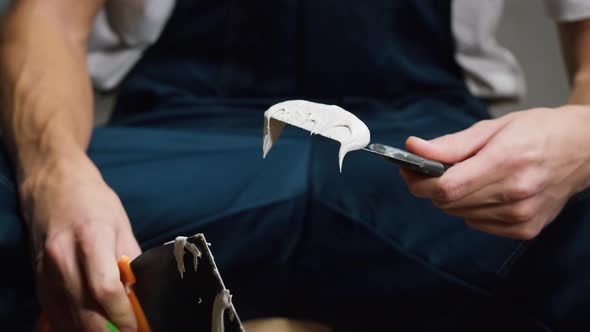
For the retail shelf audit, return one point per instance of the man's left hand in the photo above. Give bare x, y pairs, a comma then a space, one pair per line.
512, 175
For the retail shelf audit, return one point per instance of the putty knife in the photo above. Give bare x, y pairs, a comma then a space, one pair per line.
336, 123
172, 303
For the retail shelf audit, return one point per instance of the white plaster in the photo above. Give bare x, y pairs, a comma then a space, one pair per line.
327, 120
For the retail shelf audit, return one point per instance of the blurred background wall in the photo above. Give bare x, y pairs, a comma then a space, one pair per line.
525, 30
532, 37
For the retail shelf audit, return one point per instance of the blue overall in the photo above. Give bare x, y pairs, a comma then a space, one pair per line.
293, 237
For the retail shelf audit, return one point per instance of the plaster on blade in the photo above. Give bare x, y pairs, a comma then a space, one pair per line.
329, 121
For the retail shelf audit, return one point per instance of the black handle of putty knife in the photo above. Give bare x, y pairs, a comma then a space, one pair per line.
409, 160
423, 165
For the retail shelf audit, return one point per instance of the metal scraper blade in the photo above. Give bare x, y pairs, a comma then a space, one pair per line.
174, 304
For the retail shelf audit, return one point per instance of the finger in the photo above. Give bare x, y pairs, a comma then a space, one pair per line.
456, 147
523, 231
459, 181
57, 309
418, 184
411, 177
510, 189
481, 168
485, 168
97, 246
92, 320
491, 194
60, 283
514, 213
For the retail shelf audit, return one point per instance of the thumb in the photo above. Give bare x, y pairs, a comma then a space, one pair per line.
454, 148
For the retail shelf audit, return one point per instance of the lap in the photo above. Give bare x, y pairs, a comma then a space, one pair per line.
371, 192
364, 214
291, 226
552, 278
369, 248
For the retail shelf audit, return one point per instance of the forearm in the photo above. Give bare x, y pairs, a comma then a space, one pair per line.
575, 39
46, 99
580, 93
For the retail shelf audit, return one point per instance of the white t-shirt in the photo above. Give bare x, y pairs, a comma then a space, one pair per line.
124, 29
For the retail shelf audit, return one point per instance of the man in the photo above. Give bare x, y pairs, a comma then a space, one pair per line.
293, 237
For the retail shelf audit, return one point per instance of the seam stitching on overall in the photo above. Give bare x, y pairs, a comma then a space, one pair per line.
504, 269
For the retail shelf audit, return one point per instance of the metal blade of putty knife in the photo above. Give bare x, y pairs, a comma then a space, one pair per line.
172, 303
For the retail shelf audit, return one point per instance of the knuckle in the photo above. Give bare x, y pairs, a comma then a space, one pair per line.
521, 213
522, 188
527, 232
54, 248
516, 160
522, 155
502, 197
105, 289
86, 231
446, 192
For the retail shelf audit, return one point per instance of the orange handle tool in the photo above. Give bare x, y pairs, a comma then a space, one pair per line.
128, 279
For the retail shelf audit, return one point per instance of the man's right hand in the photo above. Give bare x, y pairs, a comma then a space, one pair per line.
79, 230
78, 225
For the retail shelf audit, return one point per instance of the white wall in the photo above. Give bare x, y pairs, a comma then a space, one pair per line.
532, 37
